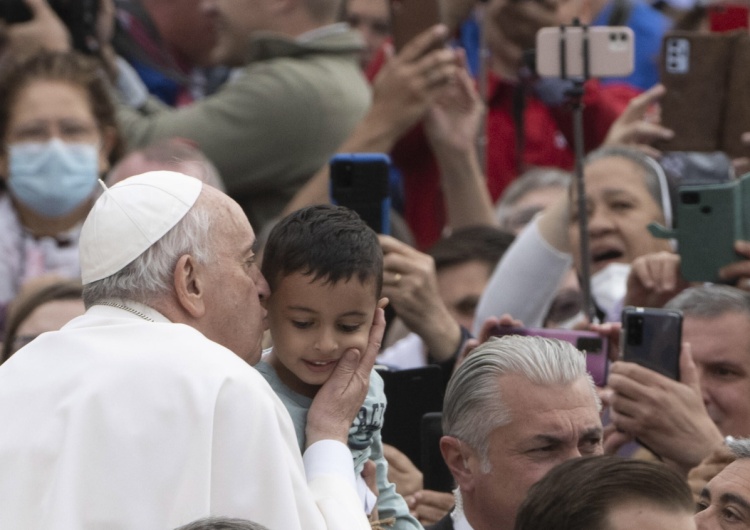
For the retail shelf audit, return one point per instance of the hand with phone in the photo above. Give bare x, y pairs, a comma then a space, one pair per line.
410, 284
410, 80
666, 415
452, 126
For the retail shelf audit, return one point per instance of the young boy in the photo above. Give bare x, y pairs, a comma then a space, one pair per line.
325, 270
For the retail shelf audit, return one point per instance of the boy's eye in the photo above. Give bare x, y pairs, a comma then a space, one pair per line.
350, 328
301, 325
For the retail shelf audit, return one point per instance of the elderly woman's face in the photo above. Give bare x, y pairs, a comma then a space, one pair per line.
44, 110
620, 208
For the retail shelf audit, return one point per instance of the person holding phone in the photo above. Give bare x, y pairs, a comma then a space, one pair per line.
684, 420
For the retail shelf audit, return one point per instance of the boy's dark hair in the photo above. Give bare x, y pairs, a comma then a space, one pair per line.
324, 241
473, 243
580, 494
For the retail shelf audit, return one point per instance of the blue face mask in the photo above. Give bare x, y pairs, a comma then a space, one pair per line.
53, 178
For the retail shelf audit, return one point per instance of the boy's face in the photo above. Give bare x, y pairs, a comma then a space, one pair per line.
313, 323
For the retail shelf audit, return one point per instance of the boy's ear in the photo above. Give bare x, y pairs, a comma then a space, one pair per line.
189, 286
461, 461
383, 302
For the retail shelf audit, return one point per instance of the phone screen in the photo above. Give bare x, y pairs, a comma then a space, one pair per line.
653, 338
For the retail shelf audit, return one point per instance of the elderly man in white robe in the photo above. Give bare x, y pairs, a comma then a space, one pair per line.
145, 412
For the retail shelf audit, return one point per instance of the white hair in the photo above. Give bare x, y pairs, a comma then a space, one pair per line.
151, 275
473, 405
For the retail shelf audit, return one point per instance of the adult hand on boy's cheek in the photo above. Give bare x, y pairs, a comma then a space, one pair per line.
410, 283
339, 399
667, 416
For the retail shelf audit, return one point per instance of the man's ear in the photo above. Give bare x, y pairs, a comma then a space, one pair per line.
189, 286
457, 456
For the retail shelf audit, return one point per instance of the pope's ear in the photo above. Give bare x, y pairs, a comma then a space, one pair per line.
461, 461
189, 286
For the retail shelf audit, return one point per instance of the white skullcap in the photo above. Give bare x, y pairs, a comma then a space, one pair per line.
131, 216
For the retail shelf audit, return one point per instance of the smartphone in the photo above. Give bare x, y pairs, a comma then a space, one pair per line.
411, 394
727, 17
652, 338
610, 51
435, 473
710, 219
409, 18
360, 181
593, 345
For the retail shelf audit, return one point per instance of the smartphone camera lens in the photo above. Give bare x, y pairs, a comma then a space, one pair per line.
690, 197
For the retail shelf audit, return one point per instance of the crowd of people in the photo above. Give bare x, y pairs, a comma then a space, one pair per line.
195, 338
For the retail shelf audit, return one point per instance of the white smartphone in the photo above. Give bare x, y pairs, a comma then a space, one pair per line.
610, 51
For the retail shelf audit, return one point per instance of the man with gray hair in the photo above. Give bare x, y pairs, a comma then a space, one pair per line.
516, 408
683, 421
725, 501
144, 413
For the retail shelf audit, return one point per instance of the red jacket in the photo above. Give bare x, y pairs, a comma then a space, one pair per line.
548, 142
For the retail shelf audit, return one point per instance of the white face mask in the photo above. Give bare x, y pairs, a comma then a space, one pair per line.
609, 285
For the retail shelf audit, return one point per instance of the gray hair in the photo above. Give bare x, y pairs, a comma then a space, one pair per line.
151, 274
653, 174
473, 405
222, 523
740, 447
534, 179
711, 301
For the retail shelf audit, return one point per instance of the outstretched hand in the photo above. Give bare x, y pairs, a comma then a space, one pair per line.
411, 79
339, 399
639, 125
668, 416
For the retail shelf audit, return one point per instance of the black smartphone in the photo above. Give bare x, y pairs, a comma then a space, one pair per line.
411, 394
437, 476
652, 338
360, 181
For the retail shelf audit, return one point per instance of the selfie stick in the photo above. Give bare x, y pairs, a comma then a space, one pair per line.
576, 94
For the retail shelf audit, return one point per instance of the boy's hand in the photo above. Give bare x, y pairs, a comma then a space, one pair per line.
340, 398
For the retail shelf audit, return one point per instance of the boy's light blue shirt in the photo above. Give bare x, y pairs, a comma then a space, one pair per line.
365, 440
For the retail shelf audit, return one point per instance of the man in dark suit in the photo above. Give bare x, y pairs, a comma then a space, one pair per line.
516, 408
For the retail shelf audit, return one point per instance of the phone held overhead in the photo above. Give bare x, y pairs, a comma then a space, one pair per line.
360, 181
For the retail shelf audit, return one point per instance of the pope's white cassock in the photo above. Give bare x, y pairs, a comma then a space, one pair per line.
117, 423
